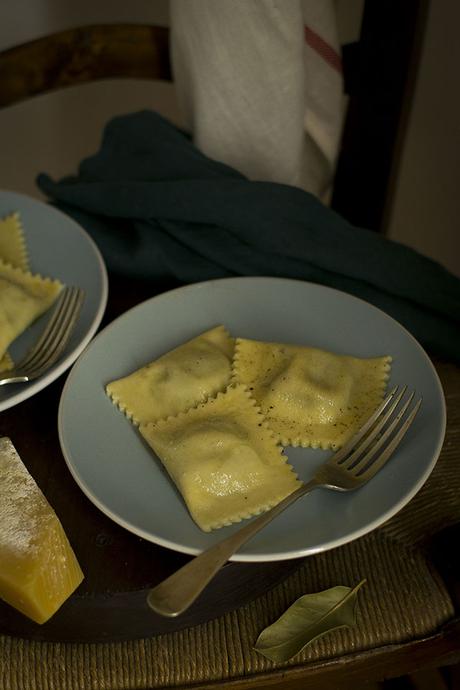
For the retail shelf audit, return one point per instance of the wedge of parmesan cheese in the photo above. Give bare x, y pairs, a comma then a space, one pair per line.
38, 568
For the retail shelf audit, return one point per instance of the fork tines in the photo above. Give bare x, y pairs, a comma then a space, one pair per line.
370, 448
56, 333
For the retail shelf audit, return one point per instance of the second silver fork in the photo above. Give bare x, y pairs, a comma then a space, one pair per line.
52, 342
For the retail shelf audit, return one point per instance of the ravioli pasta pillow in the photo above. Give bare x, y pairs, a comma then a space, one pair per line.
23, 298
223, 458
13, 248
310, 397
179, 379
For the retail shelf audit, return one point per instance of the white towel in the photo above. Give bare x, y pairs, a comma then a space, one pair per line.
260, 85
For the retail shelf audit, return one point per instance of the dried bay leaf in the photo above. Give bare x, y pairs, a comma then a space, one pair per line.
308, 618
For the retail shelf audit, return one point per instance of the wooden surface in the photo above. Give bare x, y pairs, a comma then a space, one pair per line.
355, 671
380, 73
82, 55
119, 567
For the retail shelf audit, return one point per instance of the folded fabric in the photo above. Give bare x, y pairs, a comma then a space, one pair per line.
160, 209
280, 53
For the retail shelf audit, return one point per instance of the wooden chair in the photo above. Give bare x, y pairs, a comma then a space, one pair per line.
362, 192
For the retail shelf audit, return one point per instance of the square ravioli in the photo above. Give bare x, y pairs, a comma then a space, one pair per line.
223, 458
311, 397
12, 242
23, 298
13, 251
177, 380
6, 362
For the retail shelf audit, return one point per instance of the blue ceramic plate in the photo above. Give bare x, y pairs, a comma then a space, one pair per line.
58, 248
117, 471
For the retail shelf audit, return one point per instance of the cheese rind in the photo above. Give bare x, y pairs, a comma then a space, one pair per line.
38, 568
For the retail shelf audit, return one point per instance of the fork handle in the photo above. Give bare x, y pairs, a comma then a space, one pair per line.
175, 594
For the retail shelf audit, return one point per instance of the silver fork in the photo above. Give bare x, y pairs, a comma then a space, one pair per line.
349, 468
52, 341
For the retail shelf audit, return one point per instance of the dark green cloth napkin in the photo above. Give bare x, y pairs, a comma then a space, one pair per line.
161, 210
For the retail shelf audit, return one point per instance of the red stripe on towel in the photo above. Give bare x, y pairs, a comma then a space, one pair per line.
327, 52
